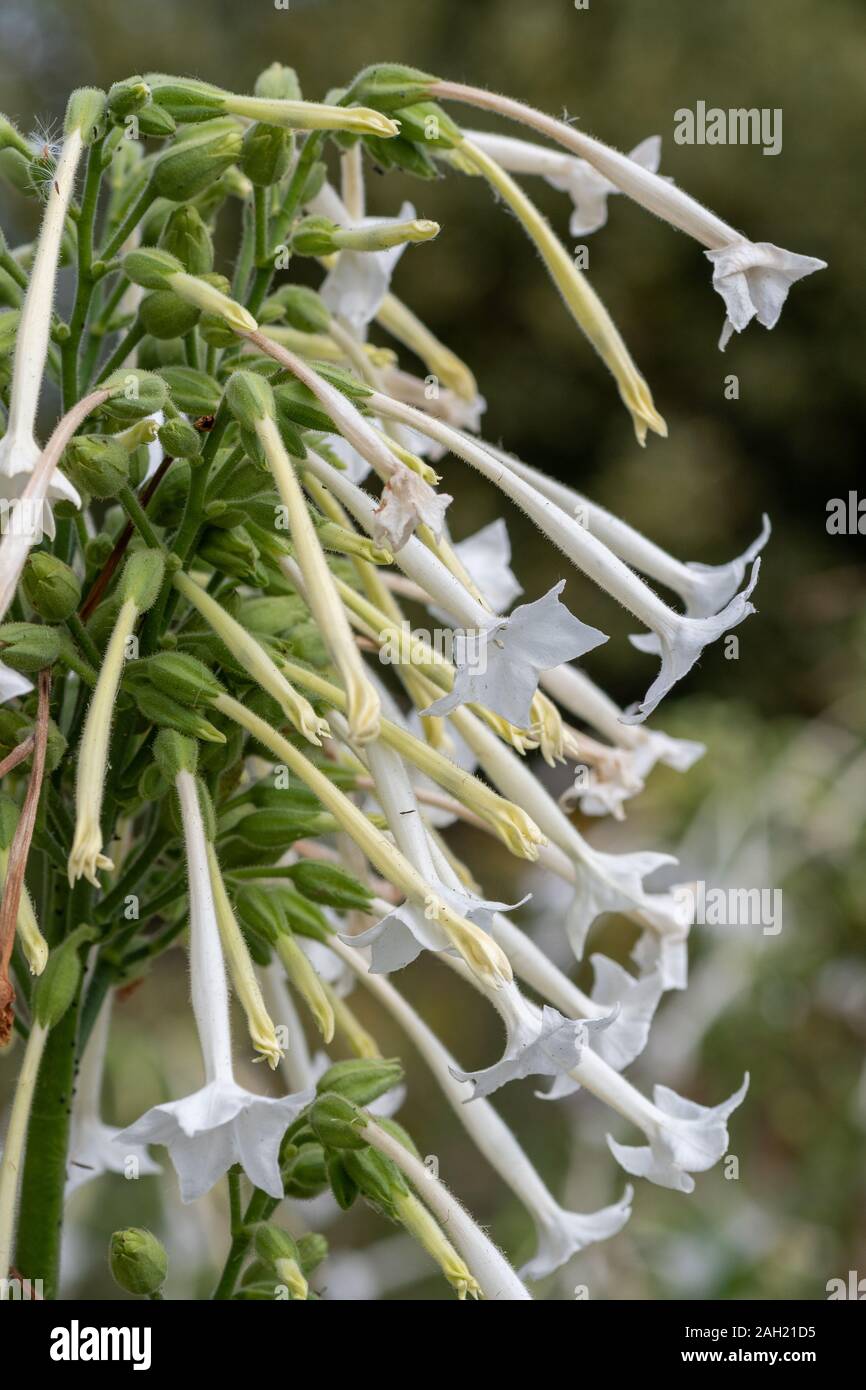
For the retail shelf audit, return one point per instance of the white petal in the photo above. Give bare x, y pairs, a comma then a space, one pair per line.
12, 683
637, 1001
569, 1231
753, 279
487, 557
690, 1138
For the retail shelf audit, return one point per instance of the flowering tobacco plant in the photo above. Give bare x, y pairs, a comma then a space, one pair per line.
221, 730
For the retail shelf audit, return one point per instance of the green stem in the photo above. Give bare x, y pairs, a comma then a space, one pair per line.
128, 342
84, 640
84, 288
129, 223
138, 516
40, 1221
259, 1208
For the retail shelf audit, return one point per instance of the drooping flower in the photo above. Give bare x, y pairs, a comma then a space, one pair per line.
356, 285
408, 502
684, 1138
222, 1123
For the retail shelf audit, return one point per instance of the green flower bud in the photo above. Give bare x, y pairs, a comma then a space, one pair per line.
138, 1261
152, 785
127, 97
183, 677
60, 979
12, 139
261, 913
266, 154
142, 578
186, 236
250, 398
28, 646
302, 917
96, 552
173, 753
193, 392
331, 885
315, 236
161, 709
9, 332
297, 406
343, 1186
85, 112
232, 553
303, 308
278, 83
150, 266
155, 123
185, 98
97, 464
312, 1250
136, 394
305, 1173
179, 439
272, 1244
165, 315
51, 587
389, 86
429, 126
336, 1122
377, 1177
277, 829
361, 1079
189, 166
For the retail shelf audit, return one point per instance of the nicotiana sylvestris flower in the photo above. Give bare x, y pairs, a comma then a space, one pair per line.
639, 747
498, 659
408, 502
704, 589
358, 282
602, 882
92, 1147
536, 636
12, 683
223, 1123
681, 639
560, 1233
684, 1138
753, 278
19, 452
588, 189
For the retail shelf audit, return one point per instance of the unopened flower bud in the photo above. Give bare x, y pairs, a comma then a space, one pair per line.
336, 1122
29, 646
305, 1173
97, 464
162, 710
142, 578
12, 139
266, 154
361, 1079
165, 315
278, 83
312, 1250
179, 439
188, 166
127, 97
51, 587
150, 266
134, 394
390, 86
186, 236
186, 99
302, 308
193, 392
183, 677
315, 236
138, 1261
331, 885
377, 1177
154, 122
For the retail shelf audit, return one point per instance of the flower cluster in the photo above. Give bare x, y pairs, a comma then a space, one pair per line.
236, 517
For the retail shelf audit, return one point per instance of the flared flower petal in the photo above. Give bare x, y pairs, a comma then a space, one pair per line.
487, 558
567, 1232
407, 502
553, 1048
503, 676
687, 1138
680, 645
220, 1125
753, 278
93, 1151
589, 190
635, 1002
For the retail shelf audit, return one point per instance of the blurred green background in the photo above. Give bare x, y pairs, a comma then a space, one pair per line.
781, 793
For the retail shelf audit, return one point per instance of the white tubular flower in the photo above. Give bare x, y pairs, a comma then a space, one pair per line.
588, 189
92, 1147
487, 557
603, 882
19, 452
534, 638
681, 639
704, 589
358, 281
12, 684
404, 932
223, 1123
753, 278
494, 1275
560, 1233
408, 502
640, 747
436, 400
243, 977
498, 659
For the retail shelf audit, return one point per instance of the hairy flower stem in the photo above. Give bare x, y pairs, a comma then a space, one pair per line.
13, 1146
